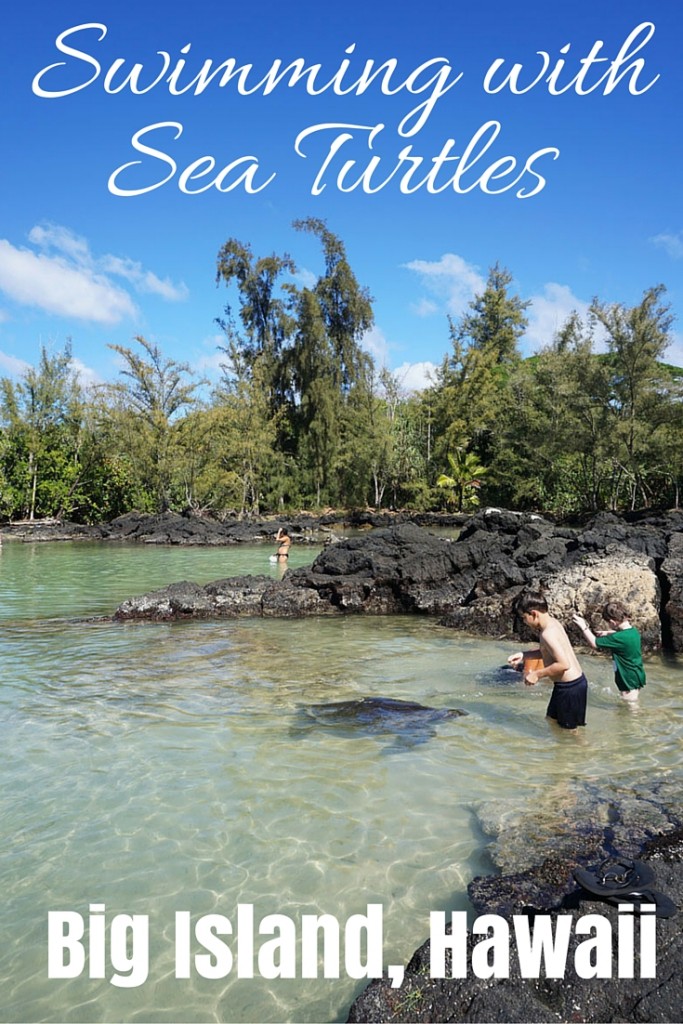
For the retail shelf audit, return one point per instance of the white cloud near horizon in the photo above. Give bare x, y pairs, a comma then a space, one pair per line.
14, 366
410, 376
674, 352
451, 280
415, 376
453, 283
550, 311
64, 278
88, 377
376, 344
671, 243
215, 359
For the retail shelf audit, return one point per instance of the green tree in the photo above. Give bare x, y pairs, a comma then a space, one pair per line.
245, 437
42, 416
471, 385
332, 377
586, 430
311, 366
264, 312
553, 445
496, 322
345, 307
317, 410
155, 390
466, 473
637, 338
111, 482
397, 462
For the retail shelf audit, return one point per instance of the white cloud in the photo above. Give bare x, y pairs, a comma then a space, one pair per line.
64, 278
451, 280
306, 278
425, 307
415, 376
671, 243
12, 365
214, 360
144, 280
674, 353
15, 367
51, 284
410, 376
87, 377
53, 236
374, 341
550, 311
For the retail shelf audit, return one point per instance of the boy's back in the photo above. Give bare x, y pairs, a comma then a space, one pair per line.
556, 647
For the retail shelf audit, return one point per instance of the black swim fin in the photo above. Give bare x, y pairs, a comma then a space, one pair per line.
617, 875
664, 907
621, 880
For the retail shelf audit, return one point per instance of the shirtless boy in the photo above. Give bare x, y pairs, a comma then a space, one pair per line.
570, 688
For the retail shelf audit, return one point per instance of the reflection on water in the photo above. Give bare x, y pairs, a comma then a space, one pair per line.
161, 768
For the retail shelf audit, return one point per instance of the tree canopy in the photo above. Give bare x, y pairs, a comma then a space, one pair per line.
302, 418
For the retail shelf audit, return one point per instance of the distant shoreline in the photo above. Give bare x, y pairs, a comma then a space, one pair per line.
175, 528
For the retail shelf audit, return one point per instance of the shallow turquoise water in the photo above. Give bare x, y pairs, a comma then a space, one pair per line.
163, 768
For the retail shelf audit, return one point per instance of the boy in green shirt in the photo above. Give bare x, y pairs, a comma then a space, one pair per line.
623, 643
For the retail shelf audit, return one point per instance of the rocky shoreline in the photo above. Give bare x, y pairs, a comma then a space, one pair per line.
190, 530
470, 583
550, 889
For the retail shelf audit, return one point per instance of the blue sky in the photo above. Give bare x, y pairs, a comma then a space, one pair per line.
602, 158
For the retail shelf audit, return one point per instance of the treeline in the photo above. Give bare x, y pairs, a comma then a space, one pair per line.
302, 418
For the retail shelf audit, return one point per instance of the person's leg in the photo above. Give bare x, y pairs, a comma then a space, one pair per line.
629, 695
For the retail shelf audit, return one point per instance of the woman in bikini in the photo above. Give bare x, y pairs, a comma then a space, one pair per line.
284, 543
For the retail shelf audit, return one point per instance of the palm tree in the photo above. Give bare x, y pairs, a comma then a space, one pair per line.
466, 474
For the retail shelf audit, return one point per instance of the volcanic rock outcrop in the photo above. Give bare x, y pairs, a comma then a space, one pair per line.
470, 583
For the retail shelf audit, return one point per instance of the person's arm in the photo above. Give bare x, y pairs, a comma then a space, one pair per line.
552, 671
588, 634
516, 660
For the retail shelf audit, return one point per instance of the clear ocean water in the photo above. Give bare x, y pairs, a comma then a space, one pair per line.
164, 768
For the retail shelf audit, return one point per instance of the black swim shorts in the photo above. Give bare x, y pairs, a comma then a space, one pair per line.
568, 703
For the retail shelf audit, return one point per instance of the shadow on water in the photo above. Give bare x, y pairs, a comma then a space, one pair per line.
402, 723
